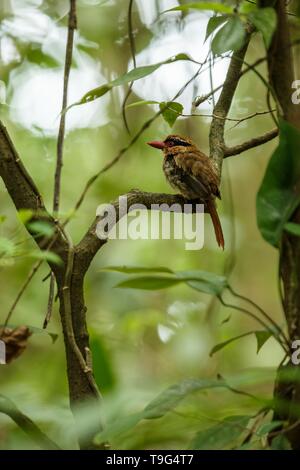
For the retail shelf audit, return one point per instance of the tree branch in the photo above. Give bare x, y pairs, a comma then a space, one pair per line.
90, 243
222, 107
25, 195
249, 144
72, 25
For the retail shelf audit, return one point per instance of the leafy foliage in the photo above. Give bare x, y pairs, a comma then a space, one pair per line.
279, 194
134, 74
222, 434
230, 37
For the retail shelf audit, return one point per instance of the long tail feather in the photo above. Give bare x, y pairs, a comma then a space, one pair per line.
211, 206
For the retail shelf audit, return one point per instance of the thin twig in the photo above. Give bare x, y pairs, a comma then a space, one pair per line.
255, 317
262, 311
22, 290
50, 301
72, 24
132, 49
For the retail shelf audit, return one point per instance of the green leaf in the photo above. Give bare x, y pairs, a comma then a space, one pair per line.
102, 368
132, 75
280, 443
24, 215
137, 269
212, 6
221, 435
279, 193
162, 404
141, 103
7, 247
213, 23
268, 427
170, 111
230, 37
2, 218
222, 345
45, 255
265, 21
292, 228
41, 227
261, 338
122, 425
171, 397
149, 282
204, 281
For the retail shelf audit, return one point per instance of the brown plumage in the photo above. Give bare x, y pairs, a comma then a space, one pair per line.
190, 171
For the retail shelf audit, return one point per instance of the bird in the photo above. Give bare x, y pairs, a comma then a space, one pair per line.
193, 173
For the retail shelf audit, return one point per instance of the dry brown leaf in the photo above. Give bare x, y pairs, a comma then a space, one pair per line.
15, 341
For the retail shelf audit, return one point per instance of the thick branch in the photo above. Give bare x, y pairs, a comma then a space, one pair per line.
90, 243
222, 107
249, 144
25, 195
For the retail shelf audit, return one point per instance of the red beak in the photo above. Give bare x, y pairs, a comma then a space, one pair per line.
157, 144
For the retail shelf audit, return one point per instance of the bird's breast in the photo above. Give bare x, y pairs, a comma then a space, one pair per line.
175, 176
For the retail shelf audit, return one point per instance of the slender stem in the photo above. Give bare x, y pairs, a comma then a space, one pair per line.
132, 49
26, 424
22, 290
255, 317
262, 311
72, 24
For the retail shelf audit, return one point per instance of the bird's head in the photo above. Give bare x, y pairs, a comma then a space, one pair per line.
171, 142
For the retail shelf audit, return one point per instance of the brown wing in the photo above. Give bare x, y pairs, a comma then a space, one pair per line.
200, 172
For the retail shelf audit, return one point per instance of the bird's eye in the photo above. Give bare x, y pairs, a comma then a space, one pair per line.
177, 142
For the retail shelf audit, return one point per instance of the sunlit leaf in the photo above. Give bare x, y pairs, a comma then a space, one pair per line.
221, 435
265, 21
170, 111
279, 193
292, 228
212, 6
134, 74
230, 37
213, 23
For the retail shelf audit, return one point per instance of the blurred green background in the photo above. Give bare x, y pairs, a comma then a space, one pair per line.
142, 341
